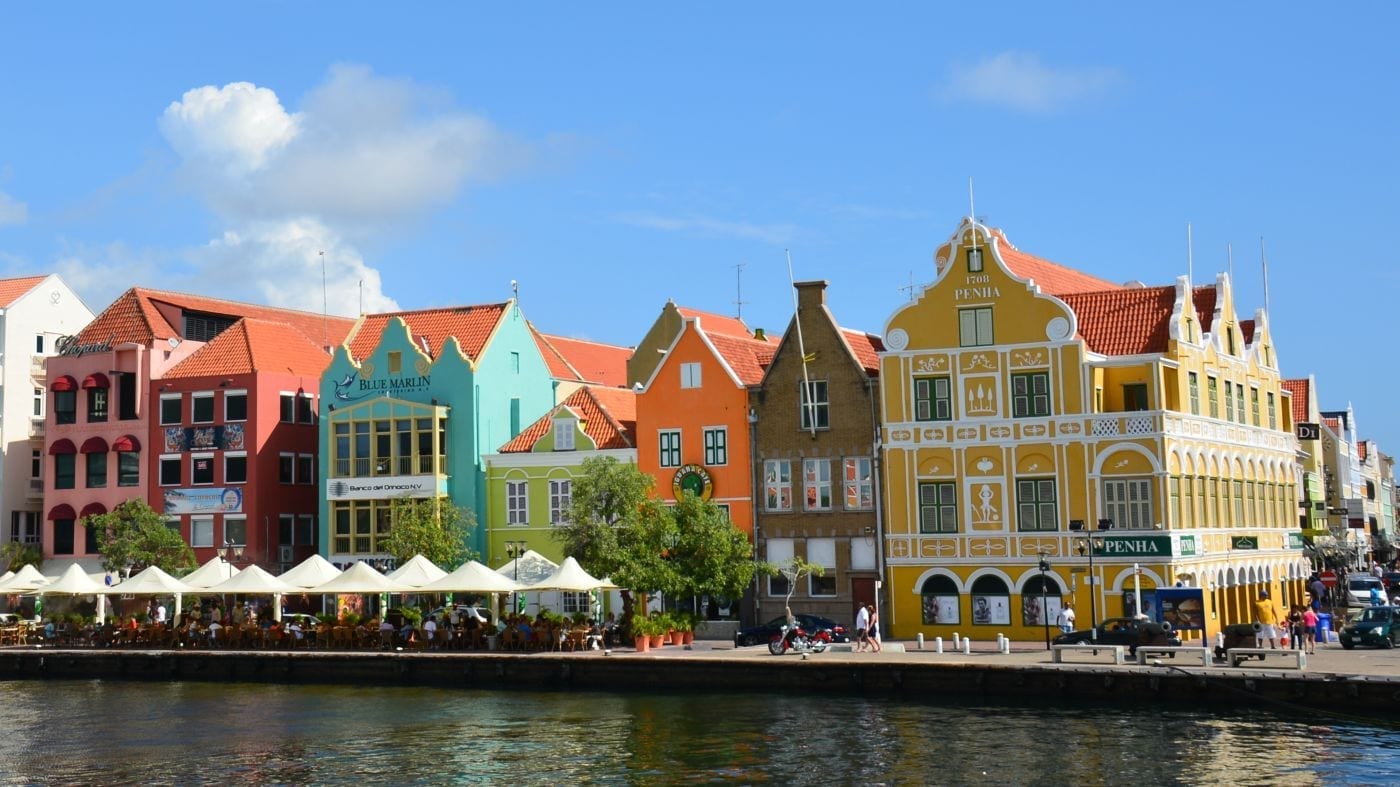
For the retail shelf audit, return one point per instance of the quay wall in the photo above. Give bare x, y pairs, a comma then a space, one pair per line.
627, 672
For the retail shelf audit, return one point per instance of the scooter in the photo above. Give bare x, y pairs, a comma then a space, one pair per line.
796, 639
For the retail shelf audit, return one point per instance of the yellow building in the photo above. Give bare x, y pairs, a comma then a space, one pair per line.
1032, 412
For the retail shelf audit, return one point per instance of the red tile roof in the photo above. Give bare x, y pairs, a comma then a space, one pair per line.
1361, 450
608, 416
717, 323
584, 360
471, 325
1204, 297
1124, 321
144, 316
12, 289
1247, 329
1300, 391
255, 346
1335, 424
747, 357
1053, 278
866, 348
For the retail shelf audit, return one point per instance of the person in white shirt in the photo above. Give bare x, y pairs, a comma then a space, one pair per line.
1065, 620
862, 626
160, 612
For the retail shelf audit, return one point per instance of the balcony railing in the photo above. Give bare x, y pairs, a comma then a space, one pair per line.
36, 488
37, 367
36, 427
403, 465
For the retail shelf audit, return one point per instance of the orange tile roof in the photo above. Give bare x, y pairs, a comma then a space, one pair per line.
1124, 321
471, 325
1300, 391
1361, 450
1204, 297
608, 415
144, 316
1247, 329
584, 360
1335, 424
747, 357
866, 348
717, 323
252, 345
12, 289
1053, 278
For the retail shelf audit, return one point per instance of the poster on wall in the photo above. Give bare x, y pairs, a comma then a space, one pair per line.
232, 438
204, 500
991, 610
1032, 613
1184, 608
1150, 607
940, 609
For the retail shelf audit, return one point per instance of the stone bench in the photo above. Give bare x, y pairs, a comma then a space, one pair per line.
1204, 654
1235, 655
1058, 655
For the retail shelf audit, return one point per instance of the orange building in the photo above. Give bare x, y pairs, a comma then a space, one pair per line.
693, 412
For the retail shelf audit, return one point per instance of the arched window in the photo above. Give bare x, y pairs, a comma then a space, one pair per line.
991, 602
940, 601
1040, 600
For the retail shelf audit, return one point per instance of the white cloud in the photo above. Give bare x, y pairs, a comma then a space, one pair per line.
1018, 80
234, 128
12, 211
279, 263
701, 225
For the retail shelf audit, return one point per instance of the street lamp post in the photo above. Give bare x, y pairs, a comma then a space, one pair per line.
515, 549
1044, 608
1087, 546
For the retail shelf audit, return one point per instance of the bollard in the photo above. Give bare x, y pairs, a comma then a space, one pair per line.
1006, 645
1000, 639
920, 638
938, 644
1220, 640
956, 644
967, 646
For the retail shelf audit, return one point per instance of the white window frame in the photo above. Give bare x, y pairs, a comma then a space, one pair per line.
561, 495
1128, 502
975, 328
195, 397
851, 482
818, 408
39, 397
822, 552
160, 474
564, 429
235, 455
716, 446
779, 552
690, 375
236, 518
665, 452
236, 392
207, 521
195, 458
777, 476
813, 484
517, 503
160, 414
282, 397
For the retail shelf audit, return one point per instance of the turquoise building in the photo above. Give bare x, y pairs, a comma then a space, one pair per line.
409, 405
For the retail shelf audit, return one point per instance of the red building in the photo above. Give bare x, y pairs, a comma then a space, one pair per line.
173, 398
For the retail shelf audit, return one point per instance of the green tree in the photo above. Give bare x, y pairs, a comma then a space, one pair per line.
793, 570
710, 556
434, 528
16, 555
134, 536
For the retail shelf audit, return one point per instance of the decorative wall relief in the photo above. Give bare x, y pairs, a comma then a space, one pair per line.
933, 434
897, 339
927, 364
1057, 329
901, 434
988, 547
985, 504
899, 547
979, 362
1028, 358
980, 397
938, 547
1069, 427
966, 433
999, 432
1034, 430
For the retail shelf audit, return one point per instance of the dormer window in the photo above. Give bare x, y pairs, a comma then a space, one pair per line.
564, 434
974, 260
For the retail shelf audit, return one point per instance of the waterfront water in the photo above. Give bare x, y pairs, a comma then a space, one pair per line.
90, 732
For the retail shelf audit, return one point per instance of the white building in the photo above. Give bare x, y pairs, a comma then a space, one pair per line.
36, 312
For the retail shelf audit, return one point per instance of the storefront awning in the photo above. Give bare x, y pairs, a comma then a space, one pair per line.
64, 383
62, 511
126, 443
96, 380
64, 446
93, 509
94, 445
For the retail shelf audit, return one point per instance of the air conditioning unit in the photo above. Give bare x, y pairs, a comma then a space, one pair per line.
284, 553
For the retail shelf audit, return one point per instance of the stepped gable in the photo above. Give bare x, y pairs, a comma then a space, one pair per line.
748, 357
1300, 394
431, 328
1124, 321
252, 345
716, 324
608, 416
12, 289
866, 347
1052, 277
583, 360
145, 316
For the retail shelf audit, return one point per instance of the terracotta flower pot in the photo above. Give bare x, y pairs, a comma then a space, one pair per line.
642, 643
687, 638
657, 640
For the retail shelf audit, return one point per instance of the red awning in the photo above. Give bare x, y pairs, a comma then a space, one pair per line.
92, 509
126, 443
96, 380
64, 383
64, 446
94, 445
62, 511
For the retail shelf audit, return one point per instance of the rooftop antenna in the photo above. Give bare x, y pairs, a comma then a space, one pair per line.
325, 307
972, 215
362, 296
739, 289
909, 288
1189, 277
1230, 260
1264, 260
807, 398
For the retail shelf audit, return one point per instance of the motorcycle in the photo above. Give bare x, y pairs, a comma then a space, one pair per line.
796, 639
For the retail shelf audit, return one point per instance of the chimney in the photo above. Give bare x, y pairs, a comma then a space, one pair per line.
760, 334
811, 294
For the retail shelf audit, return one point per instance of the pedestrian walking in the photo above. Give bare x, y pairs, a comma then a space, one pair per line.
862, 628
1065, 620
1310, 629
1266, 620
872, 631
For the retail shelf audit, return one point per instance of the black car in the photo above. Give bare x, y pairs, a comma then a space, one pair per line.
760, 635
1129, 632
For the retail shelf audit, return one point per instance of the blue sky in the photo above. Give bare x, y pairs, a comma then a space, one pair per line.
608, 158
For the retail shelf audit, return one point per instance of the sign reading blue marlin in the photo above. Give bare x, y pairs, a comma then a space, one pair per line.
363, 388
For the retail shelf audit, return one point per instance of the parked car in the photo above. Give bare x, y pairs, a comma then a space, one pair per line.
760, 635
1378, 626
1359, 589
1129, 632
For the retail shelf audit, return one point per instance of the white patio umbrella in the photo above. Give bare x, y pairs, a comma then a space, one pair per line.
212, 573
27, 578
310, 572
472, 577
253, 581
150, 581
570, 577
362, 579
73, 582
417, 572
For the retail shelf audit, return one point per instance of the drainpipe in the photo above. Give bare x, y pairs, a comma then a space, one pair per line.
878, 493
756, 495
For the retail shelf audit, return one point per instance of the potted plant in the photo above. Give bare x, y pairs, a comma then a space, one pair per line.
686, 622
661, 626
642, 628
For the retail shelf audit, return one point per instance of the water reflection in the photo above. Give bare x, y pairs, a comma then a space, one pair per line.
194, 733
